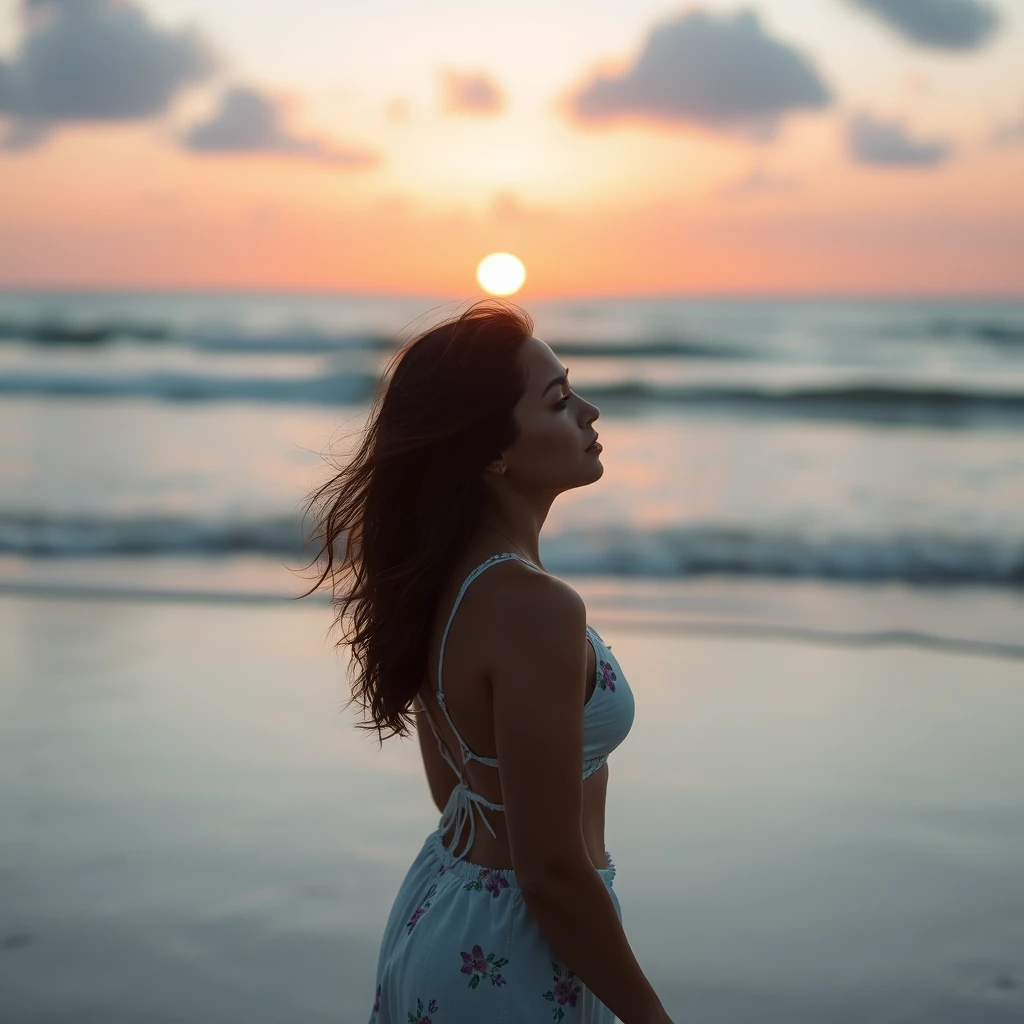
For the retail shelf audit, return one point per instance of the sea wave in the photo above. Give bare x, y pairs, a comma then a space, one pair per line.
49, 329
308, 341
50, 333
926, 404
992, 332
679, 552
172, 386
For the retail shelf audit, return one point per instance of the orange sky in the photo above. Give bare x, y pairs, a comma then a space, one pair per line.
478, 139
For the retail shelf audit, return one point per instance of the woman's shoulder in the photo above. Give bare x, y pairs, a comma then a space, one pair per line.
520, 599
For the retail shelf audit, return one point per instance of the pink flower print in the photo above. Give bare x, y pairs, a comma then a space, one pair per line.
608, 676
421, 909
421, 1017
565, 991
489, 880
479, 966
475, 961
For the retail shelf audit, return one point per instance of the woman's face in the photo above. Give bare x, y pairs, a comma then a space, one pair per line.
555, 427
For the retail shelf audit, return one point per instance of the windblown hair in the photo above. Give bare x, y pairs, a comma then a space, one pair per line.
394, 520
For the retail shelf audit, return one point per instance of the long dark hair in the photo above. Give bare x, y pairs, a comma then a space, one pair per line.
396, 517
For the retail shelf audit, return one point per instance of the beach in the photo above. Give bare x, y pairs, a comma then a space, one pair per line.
804, 830
283, 286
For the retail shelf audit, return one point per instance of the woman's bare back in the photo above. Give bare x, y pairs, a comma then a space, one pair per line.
468, 655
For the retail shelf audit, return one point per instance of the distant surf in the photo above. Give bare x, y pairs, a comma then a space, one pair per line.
698, 550
931, 405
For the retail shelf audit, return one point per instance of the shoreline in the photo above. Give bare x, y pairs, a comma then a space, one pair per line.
970, 619
736, 629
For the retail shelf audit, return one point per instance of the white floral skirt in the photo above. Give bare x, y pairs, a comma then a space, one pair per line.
461, 947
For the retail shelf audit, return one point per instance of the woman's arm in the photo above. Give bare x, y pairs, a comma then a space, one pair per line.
539, 681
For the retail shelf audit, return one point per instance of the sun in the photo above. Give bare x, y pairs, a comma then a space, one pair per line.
501, 273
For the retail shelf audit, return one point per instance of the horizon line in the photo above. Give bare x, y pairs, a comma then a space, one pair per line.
342, 292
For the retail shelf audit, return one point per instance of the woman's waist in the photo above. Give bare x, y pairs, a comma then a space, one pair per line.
494, 850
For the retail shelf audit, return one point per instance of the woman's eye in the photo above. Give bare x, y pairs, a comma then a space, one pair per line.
560, 404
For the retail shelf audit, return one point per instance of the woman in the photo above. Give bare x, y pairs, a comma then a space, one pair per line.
472, 437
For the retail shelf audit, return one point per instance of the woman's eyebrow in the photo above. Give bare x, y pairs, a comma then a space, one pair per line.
564, 379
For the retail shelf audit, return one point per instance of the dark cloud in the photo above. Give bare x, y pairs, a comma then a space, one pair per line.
249, 122
94, 60
944, 24
888, 142
470, 93
24, 134
758, 182
718, 71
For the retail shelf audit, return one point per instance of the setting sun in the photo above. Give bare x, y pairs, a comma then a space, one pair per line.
501, 273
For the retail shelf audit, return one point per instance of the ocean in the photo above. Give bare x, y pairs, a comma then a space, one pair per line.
860, 440
147, 440
807, 549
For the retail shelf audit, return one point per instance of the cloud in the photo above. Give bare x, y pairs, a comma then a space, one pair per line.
94, 60
718, 71
758, 181
470, 93
24, 134
887, 142
943, 24
249, 122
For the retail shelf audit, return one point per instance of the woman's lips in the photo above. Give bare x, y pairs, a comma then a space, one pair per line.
595, 447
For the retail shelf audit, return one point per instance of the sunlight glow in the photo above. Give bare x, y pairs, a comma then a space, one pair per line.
501, 273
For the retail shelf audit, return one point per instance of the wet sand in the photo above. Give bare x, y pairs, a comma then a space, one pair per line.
194, 831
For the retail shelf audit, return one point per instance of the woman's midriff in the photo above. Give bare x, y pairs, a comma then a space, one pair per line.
492, 852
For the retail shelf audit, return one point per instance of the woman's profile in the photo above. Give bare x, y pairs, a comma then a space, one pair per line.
429, 539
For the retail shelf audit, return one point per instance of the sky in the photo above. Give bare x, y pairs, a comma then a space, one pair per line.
823, 147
